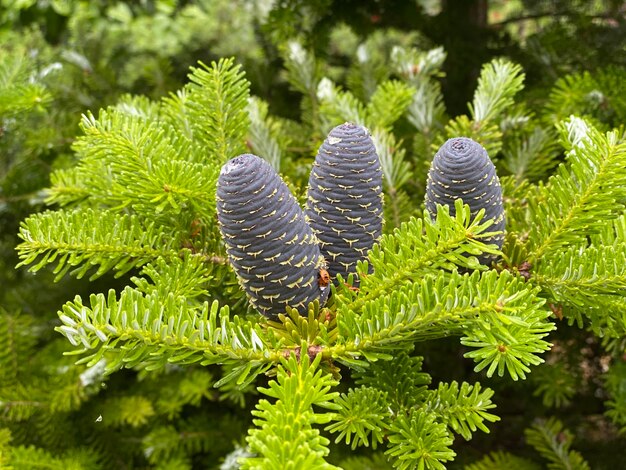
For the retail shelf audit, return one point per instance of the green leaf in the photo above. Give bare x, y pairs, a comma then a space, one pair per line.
615, 381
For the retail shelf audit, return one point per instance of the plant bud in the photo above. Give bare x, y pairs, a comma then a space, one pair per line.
270, 246
344, 204
462, 169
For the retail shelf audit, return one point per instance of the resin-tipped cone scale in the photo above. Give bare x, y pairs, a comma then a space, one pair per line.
344, 204
270, 246
461, 169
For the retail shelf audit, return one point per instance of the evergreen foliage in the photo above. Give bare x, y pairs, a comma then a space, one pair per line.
285, 437
553, 443
550, 439
499, 460
616, 386
168, 332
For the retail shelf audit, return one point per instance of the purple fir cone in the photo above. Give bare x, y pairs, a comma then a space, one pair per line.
461, 169
344, 204
273, 251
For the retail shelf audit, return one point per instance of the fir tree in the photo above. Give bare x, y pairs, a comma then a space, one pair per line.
141, 199
140, 204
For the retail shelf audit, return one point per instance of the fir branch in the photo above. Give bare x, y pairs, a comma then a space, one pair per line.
5, 439
396, 170
17, 341
23, 457
368, 66
152, 331
506, 328
262, 137
462, 408
67, 187
315, 329
426, 111
487, 134
510, 335
615, 382
390, 313
555, 383
553, 442
185, 277
499, 81
218, 101
21, 402
302, 69
178, 114
182, 440
338, 106
362, 417
388, 103
417, 66
19, 92
129, 410
401, 380
299, 386
303, 74
418, 441
86, 239
399, 207
137, 328
532, 156
582, 196
129, 159
499, 460
176, 389
162, 443
393, 390
588, 280
614, 233
375, 461
598, 97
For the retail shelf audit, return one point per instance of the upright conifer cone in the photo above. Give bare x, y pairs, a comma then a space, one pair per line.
344, 205
462, 169
269, 244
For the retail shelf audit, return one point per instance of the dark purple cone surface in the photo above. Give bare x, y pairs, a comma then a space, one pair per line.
269, 244
462, 169
344, 204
